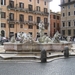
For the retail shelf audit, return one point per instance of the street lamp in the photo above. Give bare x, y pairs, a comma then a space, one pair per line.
9, 20
48, 16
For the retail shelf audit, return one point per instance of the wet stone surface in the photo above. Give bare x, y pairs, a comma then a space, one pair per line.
56, 67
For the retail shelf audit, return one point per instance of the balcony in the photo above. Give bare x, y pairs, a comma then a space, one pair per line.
64, 4
21, 9
11, 8
15, 21
30, 22
46, 23
11, 21
45, 13
20, 22
29, 11
38, 12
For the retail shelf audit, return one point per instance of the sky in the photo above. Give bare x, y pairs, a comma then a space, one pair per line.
54, 6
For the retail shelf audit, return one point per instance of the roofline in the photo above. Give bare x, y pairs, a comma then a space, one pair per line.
65, 4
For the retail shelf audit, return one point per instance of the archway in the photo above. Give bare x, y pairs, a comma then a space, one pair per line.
3, 33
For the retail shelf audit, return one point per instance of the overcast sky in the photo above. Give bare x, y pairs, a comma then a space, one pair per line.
54, 5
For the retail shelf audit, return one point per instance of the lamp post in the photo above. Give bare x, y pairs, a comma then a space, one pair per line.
48, 16
9, 20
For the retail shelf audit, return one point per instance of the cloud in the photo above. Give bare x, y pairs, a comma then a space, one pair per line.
54, 5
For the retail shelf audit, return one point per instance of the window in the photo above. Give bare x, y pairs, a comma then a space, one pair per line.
44, 3
68, 13
30, 0
38, 8
21, 18
11, 16
37, 1
3, 25
30, 18
63, 14
37, 27
57, 17
54, 24
30, 7
54, 17
11, 25
69, 32
74, 5
45, 20
74, 12
69, 24
58, 27
3, 2
68, 6
21, 5
74, 31
21, 26
3, 15
63, 7
2, 33
11, 4
63, 24
30, 26
74, 23
38, 19
63, 32
45, 10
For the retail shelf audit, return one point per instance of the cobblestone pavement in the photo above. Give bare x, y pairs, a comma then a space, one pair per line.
60, 66
56, 67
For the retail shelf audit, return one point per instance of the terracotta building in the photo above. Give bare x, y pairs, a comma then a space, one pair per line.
68, 17
55, 22
23, 16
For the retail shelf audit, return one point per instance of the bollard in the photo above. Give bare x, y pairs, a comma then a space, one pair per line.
43, 56
66, 52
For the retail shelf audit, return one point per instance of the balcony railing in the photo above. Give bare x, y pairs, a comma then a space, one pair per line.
27, 10
46, 23
41, 13
30, 22
38, 12
45, 13
11, 21
11, 8
21, 9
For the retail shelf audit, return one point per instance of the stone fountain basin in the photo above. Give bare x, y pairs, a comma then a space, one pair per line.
24, 47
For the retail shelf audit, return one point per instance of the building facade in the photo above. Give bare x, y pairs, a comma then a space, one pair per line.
55, 23
23, 16
68, 17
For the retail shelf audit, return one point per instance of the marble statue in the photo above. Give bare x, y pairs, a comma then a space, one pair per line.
13, 39
55, 39
43, 38
41, 28
24, 37
21, 37
28, 38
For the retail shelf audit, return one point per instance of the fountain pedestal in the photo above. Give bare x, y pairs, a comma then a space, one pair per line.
35, 46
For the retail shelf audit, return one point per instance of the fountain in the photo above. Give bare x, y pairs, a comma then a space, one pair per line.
43, 42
